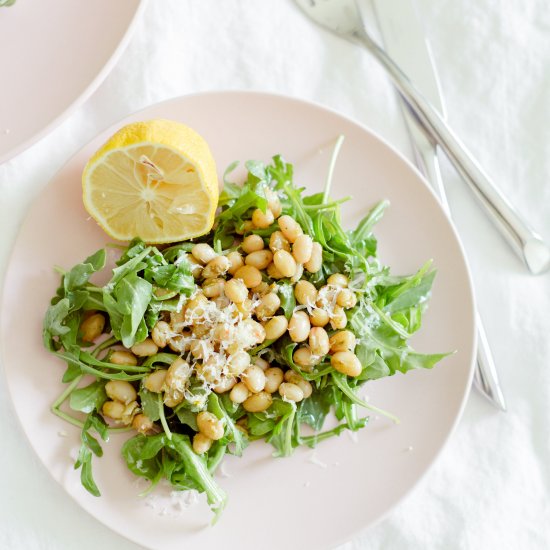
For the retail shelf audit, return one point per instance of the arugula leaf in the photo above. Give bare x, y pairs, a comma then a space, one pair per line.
149, 404
53, 322
145, 458
416, 292
84, 462
288, 301
132, 265
315, 408
172, 276
90, 445
80, 274
187, 417
232, 433
141, 455
90, 398
364, 229
195, 467
281, 435
132, 296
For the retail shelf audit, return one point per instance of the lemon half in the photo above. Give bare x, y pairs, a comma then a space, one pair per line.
156, 180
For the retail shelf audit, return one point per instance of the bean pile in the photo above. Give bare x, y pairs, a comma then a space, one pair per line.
235, 308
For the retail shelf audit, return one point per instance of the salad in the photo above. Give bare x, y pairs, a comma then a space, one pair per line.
263, 326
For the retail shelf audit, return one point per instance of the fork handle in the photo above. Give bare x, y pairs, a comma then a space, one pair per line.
486, 377
525, 242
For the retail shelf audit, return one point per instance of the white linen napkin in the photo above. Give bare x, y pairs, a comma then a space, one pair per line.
490, 487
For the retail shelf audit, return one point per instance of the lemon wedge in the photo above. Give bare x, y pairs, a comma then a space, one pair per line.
156, 180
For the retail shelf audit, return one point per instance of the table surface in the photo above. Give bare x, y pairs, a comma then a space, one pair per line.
491, 486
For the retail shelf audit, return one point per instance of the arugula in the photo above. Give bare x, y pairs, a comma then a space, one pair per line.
155, 457
89, 447
90, 398
147, 283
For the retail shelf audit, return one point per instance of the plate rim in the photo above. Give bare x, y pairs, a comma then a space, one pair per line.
86, 93
323, 108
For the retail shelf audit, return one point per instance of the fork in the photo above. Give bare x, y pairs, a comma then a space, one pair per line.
344, 18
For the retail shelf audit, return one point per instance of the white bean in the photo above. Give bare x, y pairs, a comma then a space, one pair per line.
259, 259
123, 357
213, 288
250, 275
195, 266
216, 267
177, 375
262, 220
338, 319
252, 243
319, 317
239, 393
261, 362
121, 390
155, 381
290, 228
278, 241
318, 341
210, 425
273, 272
254, 379
161, 334
142, 424
302, 248
113, 409
258, 402
291, 392
302, 383
203, 252
201, 443
304, 358
342, 341
273, 379
299, 326
346, 298
285, 263
347, 363
276, 327
255, 330
262, 289
338, 279
268, 305
273, 202
225, 384
305, 292
145, 348
316, 260
92, 327
235, 261
238, 362
236, 290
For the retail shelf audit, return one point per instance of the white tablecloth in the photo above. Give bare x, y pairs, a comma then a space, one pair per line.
490, 488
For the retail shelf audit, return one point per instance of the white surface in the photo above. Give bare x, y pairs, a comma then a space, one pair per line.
349, 462
490, 487
55, 54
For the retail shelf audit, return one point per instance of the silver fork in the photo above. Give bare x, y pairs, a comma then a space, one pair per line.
343, 18
425, 149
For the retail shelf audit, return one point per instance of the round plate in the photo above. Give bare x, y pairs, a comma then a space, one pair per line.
352, 481
56, 53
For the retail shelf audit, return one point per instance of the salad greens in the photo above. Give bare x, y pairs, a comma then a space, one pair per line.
149, 284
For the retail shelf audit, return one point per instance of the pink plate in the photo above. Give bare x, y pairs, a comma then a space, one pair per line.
322, 498
54, 55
